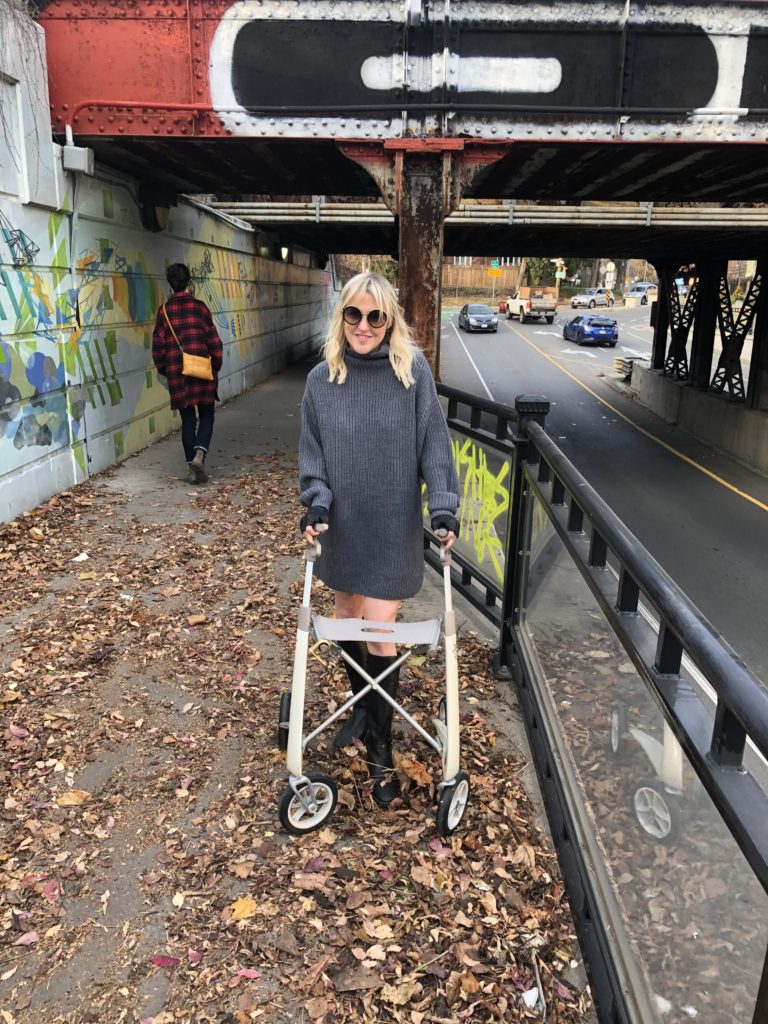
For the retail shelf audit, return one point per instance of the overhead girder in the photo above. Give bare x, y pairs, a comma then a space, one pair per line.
193, 75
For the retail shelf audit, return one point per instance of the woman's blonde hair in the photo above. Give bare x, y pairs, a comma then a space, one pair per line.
401, 344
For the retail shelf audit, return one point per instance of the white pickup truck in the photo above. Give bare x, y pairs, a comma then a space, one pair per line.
533, 302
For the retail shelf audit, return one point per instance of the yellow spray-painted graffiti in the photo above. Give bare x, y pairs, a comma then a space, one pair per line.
484, 504
484, 501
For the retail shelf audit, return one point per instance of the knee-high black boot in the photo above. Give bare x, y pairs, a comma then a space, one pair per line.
355, 726
378, 739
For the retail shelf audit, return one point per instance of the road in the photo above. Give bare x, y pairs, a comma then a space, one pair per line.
701, 514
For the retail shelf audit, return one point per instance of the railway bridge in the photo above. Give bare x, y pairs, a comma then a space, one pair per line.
423, 105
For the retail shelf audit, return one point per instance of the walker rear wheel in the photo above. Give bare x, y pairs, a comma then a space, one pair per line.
283, 718
452, 805
320, 793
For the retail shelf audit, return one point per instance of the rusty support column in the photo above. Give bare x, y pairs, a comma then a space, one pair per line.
421, 181
422, 213
661, 323
705, 324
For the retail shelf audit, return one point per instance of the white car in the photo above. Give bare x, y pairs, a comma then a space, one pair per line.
642, 292
592, 297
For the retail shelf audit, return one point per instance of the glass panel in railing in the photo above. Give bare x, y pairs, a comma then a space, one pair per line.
484, 477
704, 689
687, 917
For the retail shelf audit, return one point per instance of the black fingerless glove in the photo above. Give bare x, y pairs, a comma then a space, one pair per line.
443, 521
316, 514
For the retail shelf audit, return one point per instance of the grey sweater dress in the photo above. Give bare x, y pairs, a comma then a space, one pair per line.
365, 447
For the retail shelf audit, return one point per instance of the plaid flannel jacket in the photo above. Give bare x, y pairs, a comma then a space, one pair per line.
194, 328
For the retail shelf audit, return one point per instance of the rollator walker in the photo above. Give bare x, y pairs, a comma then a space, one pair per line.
310, 798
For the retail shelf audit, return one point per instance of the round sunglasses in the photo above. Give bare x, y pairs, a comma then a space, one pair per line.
352, 316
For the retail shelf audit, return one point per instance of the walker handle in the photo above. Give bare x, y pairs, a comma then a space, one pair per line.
445, 555
314, 549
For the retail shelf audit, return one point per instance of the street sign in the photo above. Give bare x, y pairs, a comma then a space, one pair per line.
495, 264
494, 272
560, 275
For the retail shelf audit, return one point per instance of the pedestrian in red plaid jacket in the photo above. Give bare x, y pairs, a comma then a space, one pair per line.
194, 398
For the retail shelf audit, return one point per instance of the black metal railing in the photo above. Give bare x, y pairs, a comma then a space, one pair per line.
650, 736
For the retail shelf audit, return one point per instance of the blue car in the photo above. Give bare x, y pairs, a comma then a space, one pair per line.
600, 330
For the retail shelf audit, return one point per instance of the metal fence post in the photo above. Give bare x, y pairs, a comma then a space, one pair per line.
529, 408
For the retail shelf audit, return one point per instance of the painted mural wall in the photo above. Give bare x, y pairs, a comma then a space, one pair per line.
80, 289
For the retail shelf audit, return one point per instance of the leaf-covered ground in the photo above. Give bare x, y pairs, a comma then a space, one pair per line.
146, 639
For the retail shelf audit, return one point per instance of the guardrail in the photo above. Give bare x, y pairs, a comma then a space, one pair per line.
650, 735
649, 215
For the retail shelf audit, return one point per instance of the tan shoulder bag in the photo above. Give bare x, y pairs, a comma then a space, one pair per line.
191, 366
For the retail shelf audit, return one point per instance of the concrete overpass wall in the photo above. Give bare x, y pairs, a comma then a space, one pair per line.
709, 416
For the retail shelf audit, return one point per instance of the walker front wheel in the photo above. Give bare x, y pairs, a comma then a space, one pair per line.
453, 804
307, 807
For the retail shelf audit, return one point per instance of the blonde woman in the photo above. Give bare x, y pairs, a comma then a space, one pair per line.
372, 430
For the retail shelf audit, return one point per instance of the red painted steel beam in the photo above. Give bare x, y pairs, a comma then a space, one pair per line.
110, 62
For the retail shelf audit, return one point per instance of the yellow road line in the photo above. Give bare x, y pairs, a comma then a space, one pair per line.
642, 430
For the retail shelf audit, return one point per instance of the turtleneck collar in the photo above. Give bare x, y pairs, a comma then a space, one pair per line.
382, 352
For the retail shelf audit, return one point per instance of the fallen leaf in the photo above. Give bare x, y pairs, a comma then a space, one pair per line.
73, 798
356, 978
165, 961
243, 908
316, 1008
415, 770
399, 995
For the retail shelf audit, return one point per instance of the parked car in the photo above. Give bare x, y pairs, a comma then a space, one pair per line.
475, 317
596, 329
592, 297
641, 292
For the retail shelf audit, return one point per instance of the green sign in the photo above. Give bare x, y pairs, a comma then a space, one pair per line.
495, 264
560, 275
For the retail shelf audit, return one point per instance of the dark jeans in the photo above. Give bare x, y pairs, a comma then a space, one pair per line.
196, 428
